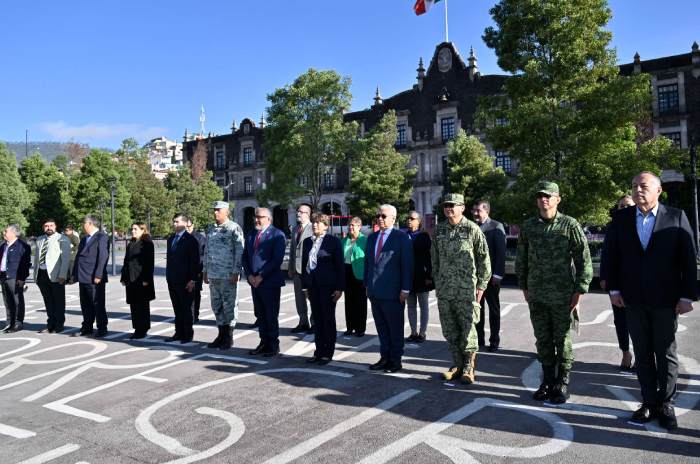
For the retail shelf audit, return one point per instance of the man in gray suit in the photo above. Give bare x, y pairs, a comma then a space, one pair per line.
52, 257
496, 240
299, 234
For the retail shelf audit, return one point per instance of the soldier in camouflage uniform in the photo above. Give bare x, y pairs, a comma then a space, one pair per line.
461, 271
222, 269
547, 247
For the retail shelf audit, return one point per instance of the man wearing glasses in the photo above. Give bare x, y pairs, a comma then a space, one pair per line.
461, 270
300, 233
547, 245
388, 279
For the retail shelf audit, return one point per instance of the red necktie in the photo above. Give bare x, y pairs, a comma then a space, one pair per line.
379, 247
299, 231
257, 240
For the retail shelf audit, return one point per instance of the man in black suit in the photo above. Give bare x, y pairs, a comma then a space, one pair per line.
496, 240
651, 272
15, 259
181, 273
90, 271
197, 293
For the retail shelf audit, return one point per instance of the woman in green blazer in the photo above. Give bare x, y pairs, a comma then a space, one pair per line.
355, 294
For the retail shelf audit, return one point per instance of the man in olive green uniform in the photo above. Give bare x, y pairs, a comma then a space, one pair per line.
222, 269
548, 245
461, 271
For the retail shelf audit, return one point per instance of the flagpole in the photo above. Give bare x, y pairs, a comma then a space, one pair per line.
447, 38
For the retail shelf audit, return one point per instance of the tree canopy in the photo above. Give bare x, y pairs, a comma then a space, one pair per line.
14, 197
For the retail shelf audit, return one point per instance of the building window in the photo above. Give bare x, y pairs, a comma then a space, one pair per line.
501, 122
219, 158
668, 99
447, 128
502, 160
248, 156
675, 137
401, 135
329, 179
248, 185
304, 181
220, 182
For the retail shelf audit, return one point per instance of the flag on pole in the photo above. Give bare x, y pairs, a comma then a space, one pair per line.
422, 6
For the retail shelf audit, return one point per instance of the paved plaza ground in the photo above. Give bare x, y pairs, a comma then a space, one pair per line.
84, 400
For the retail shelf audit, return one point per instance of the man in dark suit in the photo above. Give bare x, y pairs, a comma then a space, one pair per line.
90, 271
651, 272
197, 293
15, 259
262, 260
496, 240
181, 272
388, 279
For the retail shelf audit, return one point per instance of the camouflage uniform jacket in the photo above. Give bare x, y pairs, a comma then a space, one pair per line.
224, 250
460, 258
546, 250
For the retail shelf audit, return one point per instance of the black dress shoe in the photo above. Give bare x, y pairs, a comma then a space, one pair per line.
667, 417
58, 330
420, 338
359, 334
392, 367
379, 365
300, 328
493, 348
270, 353
85, 332
347, 332
45, 330
101, 334
258, 350
17, 327
313, 360
185, 340
174, 338
323, 361
644, 414
7, 329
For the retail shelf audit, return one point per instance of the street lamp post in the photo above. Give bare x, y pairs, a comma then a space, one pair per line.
694, 179
112, 187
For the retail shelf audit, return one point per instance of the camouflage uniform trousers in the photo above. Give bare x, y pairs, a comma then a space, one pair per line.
458, 319
552, 323
224, 301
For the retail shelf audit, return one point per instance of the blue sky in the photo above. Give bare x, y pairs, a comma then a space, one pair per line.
98, 72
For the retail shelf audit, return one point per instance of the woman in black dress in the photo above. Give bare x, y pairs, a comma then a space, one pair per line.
137, 277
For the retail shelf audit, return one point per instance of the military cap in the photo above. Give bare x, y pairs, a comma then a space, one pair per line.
220, 205
454, 199
550, 188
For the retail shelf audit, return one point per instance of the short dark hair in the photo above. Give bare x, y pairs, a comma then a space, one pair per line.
487, 205
49, 220
183, 216
318, 217
68, 226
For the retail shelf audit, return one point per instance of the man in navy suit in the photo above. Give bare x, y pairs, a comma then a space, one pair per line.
90, 271
262, 260
651, 272
388, 279
181, 273
15, 259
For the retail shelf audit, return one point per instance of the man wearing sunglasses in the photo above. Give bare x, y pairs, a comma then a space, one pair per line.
547, 246
388, 279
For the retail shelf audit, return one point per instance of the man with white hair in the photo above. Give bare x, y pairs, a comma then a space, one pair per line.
388, 279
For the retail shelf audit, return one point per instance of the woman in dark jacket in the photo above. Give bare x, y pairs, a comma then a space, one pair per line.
323, 280
422, 278
137, 277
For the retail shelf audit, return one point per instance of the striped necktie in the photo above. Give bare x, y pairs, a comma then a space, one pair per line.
44, 250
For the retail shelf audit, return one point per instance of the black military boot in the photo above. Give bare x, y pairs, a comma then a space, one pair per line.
217, 341
227, 339
560, 392
545, 391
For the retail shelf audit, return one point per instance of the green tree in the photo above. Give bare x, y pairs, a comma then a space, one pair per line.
306, 135
48, 193
470, 170
380, 174
90, 189
566, 114
14, 197
194, 197
150, 200
62, 163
